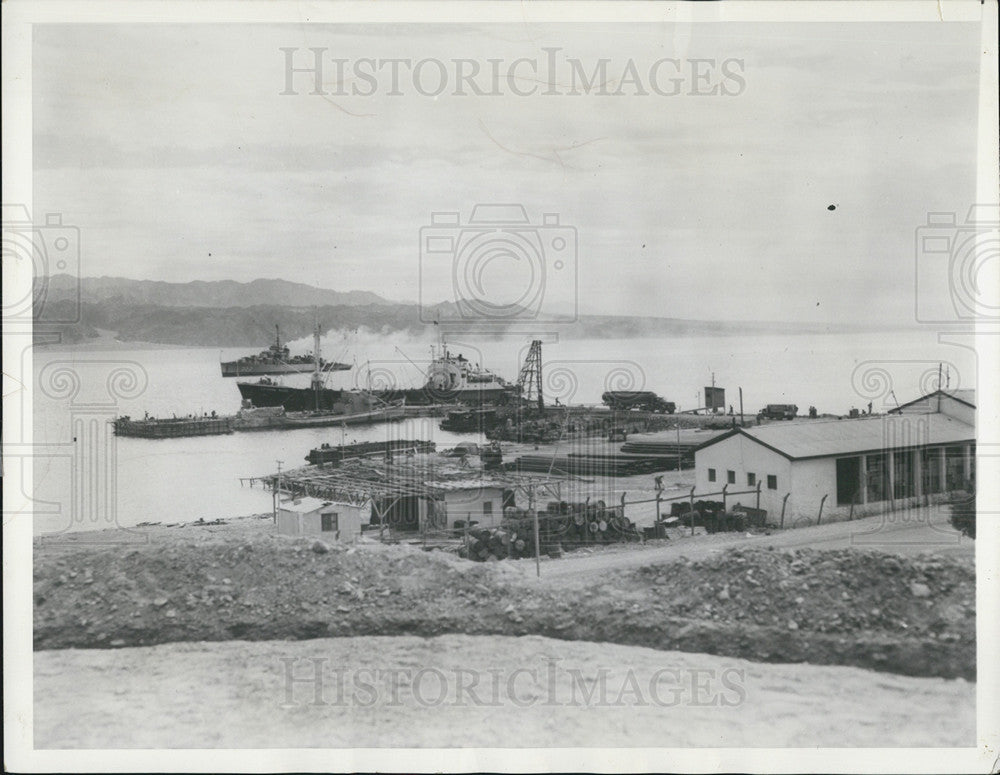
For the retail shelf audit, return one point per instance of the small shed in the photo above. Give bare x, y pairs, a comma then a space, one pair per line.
332, 520
468, 502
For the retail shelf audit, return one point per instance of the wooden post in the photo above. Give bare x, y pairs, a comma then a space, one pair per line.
724, 488
658, 498
691, 496
820, 515
783, 502
758, 495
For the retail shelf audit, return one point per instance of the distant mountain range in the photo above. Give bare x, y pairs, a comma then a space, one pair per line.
200, 293
229, 313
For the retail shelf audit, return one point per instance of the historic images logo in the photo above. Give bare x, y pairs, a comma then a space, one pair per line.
318, 71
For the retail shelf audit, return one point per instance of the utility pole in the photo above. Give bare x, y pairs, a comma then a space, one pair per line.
277, 494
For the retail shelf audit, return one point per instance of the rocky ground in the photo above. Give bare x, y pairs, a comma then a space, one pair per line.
910, 615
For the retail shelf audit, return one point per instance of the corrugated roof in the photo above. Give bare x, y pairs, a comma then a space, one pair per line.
467, 484
824, 438
305, 504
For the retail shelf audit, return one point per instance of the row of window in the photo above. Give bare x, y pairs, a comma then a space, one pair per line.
772, 480
924, 471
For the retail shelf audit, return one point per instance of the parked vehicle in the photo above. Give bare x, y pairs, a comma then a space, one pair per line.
644, 400
779, 412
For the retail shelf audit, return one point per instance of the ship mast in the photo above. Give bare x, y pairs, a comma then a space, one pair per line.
317, 379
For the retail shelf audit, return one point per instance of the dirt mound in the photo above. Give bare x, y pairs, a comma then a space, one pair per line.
913, 616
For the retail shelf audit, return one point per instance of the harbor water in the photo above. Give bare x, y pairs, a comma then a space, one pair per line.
127, 481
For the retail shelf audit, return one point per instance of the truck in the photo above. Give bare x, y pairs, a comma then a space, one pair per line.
778, 412
644, 400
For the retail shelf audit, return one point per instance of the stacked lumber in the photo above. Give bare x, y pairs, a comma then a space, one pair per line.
671, 450
589, 464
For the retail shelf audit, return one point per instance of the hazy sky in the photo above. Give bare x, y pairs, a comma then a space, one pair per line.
173, 150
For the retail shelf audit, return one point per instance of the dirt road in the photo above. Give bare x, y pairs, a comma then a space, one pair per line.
904, 533
459, 690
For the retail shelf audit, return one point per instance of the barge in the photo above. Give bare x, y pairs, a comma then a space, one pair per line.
173, 427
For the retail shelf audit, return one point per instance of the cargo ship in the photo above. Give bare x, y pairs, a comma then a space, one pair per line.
449, 379
277, 359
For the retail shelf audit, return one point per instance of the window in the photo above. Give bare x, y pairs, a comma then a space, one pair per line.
903, 481
848, 481
487, 508
930, 465
711, 474
731, 477
328, 522
751, 480
772, 482
954, 463
877, 477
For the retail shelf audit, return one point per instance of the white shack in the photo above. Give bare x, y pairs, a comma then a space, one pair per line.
470, 501
327, 519
867, 465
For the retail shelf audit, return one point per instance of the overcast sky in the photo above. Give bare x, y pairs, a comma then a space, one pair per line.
174, 151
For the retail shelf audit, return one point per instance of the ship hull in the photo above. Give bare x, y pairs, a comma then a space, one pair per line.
173, 428
237, 369
305, 399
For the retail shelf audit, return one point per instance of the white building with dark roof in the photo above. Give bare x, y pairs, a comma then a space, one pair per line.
860, 466
306, 516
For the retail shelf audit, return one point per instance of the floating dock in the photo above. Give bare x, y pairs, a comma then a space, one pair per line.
266, 419
172, 428
327, 454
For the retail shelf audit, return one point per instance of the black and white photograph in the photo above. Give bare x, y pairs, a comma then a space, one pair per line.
487, 386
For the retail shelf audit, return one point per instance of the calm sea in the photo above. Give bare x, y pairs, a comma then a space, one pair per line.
82, 483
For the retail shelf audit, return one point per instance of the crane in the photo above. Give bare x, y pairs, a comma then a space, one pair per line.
530, 378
